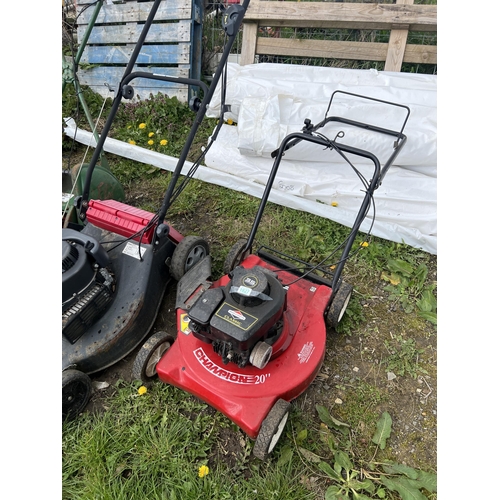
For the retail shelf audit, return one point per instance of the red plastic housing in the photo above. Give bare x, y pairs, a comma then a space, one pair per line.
246, 395
125, 220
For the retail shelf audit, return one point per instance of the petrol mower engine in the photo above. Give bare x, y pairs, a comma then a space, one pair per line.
87, 283
243, 319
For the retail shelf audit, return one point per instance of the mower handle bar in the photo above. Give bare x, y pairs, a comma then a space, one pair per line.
398, 143
322, 141
233, 22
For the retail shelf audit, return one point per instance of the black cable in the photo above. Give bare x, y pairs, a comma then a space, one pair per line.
140, 233
341, 245
178, 190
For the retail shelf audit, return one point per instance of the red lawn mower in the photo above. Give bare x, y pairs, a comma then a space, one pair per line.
254, 340
118, 261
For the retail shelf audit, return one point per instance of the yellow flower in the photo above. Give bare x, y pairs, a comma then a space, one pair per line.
131, 142
203, 471
142, 125
151, 134
163, 142
364, 244
142, 390
151, 142
334, 204
229, 121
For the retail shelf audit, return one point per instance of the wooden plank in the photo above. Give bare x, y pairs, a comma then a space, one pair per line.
361, 51
397, 44
150, 54
421, 54
112, 75
133, 12
364, 51
144, 92
129, 33
99, 78
342, 15
249, 43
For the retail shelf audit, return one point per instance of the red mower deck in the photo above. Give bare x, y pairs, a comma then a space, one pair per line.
246, 395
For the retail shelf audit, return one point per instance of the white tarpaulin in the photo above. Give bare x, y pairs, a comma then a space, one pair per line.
270, 101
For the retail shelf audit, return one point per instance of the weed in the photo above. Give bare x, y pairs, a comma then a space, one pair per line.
403, 358
408, 286
159, 123
353, 317
367, 480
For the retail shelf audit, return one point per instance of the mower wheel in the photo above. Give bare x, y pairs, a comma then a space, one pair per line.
76, 391
271, 429
144, 367
339, 305
234, 257
189, 251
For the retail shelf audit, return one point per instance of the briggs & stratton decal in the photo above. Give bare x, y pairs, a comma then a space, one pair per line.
237, 317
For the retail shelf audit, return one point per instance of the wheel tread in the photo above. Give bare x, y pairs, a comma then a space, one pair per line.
269, 427
140, 362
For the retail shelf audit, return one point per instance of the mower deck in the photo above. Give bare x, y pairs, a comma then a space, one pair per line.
141, 280
246, 395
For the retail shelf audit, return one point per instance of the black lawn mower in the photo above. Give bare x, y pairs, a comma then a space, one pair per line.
118, 260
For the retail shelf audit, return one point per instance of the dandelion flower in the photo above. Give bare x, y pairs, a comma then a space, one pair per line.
151, 142
131, 141
230, 122
203, 471
334, 204
142, 125
142, 390
364, 244
163, 142
151, 134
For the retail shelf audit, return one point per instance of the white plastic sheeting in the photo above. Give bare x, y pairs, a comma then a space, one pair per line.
270, 101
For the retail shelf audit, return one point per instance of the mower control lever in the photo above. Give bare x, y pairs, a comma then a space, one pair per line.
308, 126
230, 18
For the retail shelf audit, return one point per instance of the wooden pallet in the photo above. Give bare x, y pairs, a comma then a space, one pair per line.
399, 18
172, 46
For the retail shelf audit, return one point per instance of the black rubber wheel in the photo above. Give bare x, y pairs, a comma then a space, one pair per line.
339, 305
189, 251
234, 257
144, 367
76, 392
271, 429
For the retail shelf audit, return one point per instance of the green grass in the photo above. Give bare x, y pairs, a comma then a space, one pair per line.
152, 446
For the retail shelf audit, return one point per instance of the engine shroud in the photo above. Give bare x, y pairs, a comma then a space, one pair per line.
87, 283
234, 318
